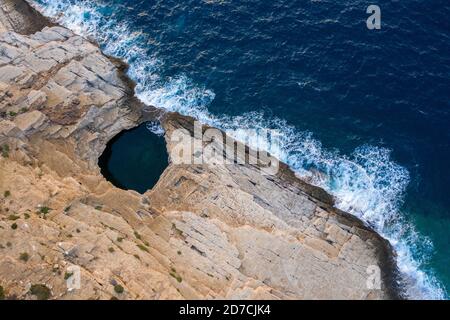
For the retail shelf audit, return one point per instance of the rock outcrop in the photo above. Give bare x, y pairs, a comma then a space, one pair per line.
18, 16
222, 231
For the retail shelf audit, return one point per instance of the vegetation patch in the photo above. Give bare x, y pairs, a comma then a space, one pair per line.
7, 193
14, 226
67, 275
41, 291
24, 257
44, 210
176, 276
4, 151
13, 217
118, 289
142, 247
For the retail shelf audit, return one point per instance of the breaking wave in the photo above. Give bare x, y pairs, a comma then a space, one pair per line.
366, 183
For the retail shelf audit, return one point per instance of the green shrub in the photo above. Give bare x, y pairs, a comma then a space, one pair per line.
118, 288
67, 275
111, 249
14, 226
119, 239
137, 235
5, 151
41, 291
24, 256
142, 247
26, 216
13, 217
176, 276
12, 113
44, 210
7, 193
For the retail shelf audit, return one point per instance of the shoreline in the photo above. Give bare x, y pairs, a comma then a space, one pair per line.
286, 176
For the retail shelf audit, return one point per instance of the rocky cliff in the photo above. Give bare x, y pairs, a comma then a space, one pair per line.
203, 232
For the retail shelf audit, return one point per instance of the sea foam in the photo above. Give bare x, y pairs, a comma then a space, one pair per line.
366, 183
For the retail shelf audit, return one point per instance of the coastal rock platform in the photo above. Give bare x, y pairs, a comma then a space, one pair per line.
203, 232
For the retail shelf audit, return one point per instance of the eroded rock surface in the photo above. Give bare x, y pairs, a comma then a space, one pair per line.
222, 231
18, 16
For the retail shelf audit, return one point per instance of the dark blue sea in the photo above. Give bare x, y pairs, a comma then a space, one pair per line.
369, 109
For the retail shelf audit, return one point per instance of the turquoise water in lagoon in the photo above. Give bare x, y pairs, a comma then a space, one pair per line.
368, 108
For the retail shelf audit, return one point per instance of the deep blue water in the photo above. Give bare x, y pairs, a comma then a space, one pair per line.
369, 108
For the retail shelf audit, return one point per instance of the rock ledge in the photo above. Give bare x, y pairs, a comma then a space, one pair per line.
203, 232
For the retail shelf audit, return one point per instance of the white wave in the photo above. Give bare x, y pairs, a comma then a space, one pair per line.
367, 183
